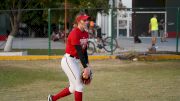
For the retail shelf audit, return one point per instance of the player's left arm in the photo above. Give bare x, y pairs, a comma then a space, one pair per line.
86, 56
82, 56
84, 61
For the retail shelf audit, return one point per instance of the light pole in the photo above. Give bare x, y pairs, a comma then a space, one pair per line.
65, 19
112, 25
49, 31
177, 30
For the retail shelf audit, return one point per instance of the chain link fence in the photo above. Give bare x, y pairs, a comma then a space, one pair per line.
133, 29
42, 31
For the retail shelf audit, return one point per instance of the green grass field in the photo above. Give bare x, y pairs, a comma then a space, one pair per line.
40, 51
44, 51
114, 80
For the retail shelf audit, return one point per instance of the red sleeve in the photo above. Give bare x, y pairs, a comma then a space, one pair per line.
75, 38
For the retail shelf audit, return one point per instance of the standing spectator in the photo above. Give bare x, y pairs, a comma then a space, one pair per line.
162, 31
90, 26
55, 35
153, 29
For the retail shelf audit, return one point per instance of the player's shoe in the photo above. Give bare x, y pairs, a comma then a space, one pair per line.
50, 98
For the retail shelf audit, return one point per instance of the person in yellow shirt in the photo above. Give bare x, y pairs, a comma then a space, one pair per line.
153, 29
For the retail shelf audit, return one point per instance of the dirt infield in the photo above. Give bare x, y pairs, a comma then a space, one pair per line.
114, 80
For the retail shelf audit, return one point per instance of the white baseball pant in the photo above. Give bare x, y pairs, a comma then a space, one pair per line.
72, 69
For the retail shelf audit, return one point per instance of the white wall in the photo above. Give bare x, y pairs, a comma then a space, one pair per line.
103, 20
127, 3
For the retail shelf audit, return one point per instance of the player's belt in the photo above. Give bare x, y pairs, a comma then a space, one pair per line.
71, 56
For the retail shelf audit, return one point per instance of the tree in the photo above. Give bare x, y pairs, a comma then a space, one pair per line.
90, 7
14, 16
14, 10
94, 6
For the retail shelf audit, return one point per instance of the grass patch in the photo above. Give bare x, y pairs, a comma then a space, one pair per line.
41, 51
14, 76
45, 51
136, 81
113, 80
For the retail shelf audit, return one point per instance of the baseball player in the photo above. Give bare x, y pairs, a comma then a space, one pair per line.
76, 49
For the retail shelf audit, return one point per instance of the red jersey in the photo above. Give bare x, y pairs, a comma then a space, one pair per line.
76, 37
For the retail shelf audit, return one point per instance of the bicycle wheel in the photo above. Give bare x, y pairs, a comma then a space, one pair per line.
91, 48
107, 44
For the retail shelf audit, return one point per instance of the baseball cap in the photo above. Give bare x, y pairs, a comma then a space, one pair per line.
81, 17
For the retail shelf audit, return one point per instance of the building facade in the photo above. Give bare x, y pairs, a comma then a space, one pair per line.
173, 17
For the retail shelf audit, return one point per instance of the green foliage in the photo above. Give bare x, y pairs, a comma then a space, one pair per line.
93, 6
9, 4
42, 51
45, 51
39, 17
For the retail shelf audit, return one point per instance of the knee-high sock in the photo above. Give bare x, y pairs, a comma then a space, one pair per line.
78, 96
63, 93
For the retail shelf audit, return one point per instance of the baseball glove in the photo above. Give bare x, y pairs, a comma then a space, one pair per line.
88, 80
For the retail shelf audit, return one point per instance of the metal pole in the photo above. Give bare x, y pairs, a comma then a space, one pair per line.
49, 31
177, 31
112, 27
65, 19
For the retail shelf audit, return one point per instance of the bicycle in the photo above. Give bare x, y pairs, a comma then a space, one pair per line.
104, 43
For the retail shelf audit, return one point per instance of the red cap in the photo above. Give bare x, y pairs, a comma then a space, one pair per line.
81, 17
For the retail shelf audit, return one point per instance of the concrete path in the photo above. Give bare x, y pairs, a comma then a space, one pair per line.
126, 44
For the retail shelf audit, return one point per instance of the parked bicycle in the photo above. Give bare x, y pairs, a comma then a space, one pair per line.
103, 43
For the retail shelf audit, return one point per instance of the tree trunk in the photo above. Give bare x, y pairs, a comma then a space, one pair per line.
14, 19
9, 42
8, 45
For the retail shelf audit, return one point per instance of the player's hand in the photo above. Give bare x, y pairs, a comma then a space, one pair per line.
87, 76
86, 72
